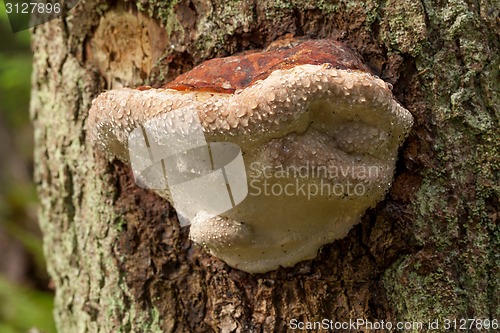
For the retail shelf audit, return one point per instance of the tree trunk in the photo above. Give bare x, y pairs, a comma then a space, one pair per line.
120, 261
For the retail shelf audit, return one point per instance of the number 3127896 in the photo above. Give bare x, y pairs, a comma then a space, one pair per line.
33, 7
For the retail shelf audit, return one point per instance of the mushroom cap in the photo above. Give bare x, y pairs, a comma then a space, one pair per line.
307, 104
268, 90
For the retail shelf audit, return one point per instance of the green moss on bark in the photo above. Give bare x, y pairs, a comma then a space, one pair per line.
453, 208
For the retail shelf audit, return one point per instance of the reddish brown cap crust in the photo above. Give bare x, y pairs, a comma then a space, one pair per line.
228, 74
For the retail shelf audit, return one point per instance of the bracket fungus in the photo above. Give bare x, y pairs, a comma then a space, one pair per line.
319, 135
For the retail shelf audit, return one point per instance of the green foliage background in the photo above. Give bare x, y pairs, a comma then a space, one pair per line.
22, 306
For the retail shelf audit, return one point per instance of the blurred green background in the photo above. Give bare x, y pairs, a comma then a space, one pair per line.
26, 300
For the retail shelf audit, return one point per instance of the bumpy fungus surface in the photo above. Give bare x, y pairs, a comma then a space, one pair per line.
319, 135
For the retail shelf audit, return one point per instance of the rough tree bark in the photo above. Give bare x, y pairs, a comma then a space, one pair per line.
121, 263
